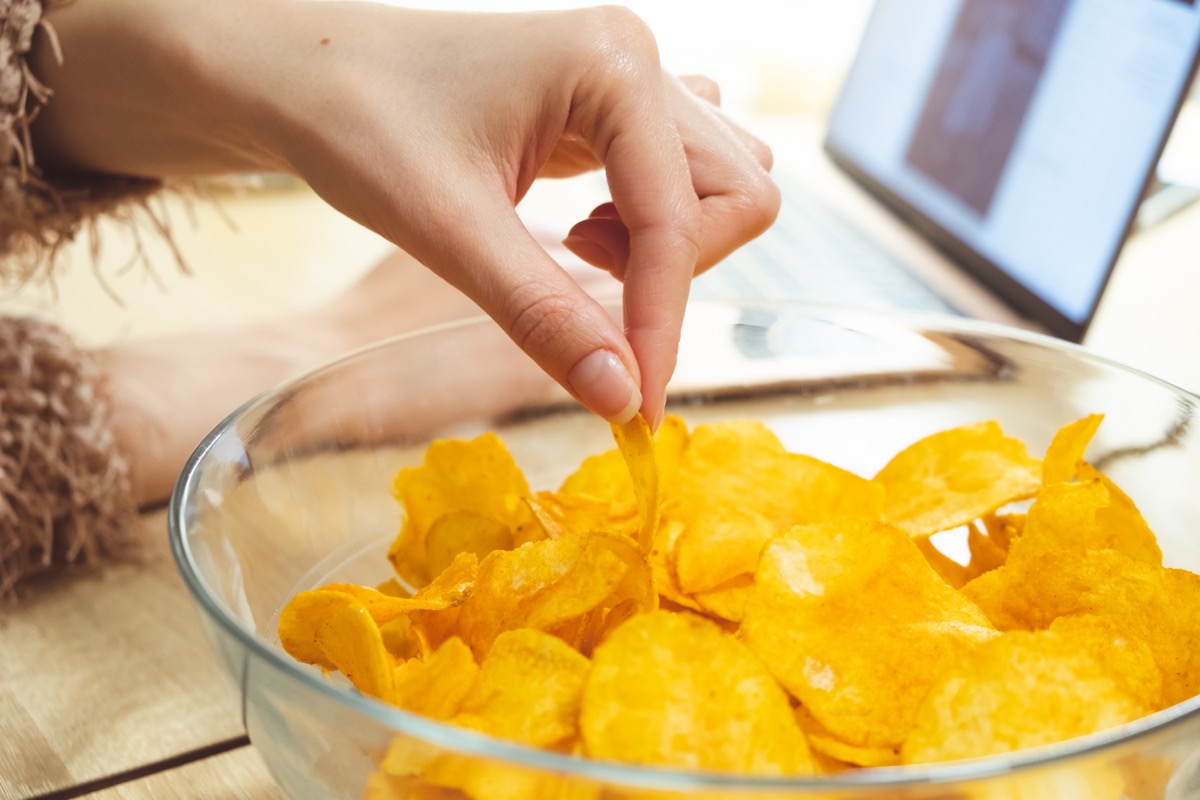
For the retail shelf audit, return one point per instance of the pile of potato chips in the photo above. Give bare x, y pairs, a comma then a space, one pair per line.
707, 600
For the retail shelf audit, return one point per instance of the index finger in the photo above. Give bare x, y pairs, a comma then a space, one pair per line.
651, 187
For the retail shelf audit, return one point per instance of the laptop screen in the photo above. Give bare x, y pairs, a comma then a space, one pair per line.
1018, 134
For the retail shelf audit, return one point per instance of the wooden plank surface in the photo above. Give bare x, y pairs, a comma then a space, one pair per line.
105, 672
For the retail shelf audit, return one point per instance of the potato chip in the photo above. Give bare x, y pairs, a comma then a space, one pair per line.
1066, 449
1127, 659
384, 786
743, 465
435, 687
726, 601
637, 448
675, 690
1003, 529
952, 572
1157, 605
1083, 516
538, 618
662, 564
1018, 690
718, 546
558, 513
458, 532
956, 476
856, 625
300, 620
855, 755
603, 478
550, 585
824, 743
986, 555
400, 640
349, 641
449, 589
477, 476
528, 690
483, 779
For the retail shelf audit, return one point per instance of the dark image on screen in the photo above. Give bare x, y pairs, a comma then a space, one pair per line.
981, 94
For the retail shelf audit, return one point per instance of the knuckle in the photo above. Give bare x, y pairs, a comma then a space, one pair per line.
621, 39
705, 87
762, 151
540, 319
758, 207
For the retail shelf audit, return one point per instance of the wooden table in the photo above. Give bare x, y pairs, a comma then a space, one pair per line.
107, 685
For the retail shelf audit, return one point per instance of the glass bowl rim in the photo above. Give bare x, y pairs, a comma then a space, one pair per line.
471, 743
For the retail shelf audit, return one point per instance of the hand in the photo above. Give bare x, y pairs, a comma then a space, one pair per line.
429, 128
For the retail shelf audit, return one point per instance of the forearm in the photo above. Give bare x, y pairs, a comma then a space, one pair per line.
153, 89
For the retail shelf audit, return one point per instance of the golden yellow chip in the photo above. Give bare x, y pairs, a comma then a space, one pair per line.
385, 786
675, 690
477, 476
952, 572
1085, 516
603, 478
458, 532
482, 779
662, 564
743, 465
856, 625
558, 513
1157, 605
333, 630
718, 546
951, 478
300, 620
436, 687
1003, 529
1127, 659
637, 448
986, 555
551, 585
538, 617
1019, 690
726, 601
825, 744
1065, 452
528, 690
606, 476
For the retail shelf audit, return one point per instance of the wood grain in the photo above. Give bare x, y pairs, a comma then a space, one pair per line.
102, 673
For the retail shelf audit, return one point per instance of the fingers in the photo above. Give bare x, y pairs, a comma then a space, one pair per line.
633, 131
545, 312
703, 87
728, 170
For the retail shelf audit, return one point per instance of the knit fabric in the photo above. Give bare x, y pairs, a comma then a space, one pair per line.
38, 215
65, 496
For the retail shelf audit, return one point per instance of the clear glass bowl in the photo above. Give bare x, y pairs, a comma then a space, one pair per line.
293, 490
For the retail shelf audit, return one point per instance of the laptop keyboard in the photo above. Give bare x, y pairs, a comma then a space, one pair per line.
813, 253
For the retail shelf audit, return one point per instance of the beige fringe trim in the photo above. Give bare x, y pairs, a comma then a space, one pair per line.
39, 216
65, 495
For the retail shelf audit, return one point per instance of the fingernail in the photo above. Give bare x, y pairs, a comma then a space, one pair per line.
657, 421
604, 386
589, 251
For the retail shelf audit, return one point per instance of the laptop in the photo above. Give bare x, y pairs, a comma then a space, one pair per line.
998, 150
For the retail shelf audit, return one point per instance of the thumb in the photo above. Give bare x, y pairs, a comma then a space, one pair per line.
541, 307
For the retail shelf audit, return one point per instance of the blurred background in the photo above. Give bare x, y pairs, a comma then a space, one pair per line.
260, 245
